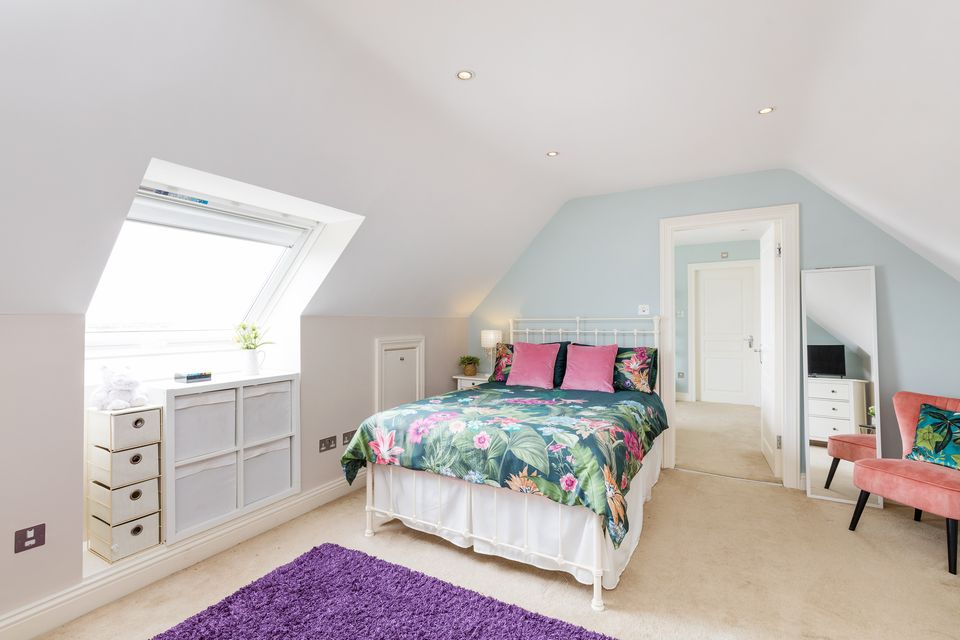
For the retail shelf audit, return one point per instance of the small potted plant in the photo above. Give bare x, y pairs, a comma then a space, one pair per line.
469, 364
250, 339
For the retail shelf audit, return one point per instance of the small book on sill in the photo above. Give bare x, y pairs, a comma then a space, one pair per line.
199, 376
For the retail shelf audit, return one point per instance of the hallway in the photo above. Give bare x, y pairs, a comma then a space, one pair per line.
723, 439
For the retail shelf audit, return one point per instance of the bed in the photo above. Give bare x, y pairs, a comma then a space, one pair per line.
548, 477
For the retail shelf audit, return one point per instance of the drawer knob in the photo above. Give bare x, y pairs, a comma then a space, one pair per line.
136, 458
833, 408
136, 495
137, 530
833, 390
139, 422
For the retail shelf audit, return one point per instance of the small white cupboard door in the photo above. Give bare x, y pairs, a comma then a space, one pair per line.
727, 321
399, 381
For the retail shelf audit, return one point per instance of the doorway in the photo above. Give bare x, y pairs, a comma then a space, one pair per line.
729, 284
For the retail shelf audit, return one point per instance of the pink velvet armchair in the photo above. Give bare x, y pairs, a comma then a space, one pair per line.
921, 485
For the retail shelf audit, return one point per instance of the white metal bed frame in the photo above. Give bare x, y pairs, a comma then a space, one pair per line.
601, 333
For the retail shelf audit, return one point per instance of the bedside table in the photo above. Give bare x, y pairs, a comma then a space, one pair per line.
465, 382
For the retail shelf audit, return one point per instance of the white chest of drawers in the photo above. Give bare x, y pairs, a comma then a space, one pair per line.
231, 445
835, 406
123, 481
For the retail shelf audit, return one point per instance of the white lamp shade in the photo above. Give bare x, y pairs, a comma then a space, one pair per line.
490, 337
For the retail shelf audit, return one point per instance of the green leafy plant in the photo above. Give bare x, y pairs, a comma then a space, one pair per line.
249, 336
467, 360
872, 411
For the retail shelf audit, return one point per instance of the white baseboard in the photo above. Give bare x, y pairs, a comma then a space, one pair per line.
129, 575
682, 397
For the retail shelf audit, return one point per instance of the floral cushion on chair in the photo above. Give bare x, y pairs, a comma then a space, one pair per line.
502, 363
635, 369
938, 437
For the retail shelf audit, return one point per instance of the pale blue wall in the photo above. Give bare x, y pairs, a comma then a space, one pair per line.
599, 256
692, 254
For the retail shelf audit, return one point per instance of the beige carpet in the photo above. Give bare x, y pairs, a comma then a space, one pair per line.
718, 558
722, 439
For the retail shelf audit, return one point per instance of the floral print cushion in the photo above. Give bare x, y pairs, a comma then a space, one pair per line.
502, 363
938, 437
572, 447
635, 369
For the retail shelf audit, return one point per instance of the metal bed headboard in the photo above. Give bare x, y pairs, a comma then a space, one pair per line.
626, 331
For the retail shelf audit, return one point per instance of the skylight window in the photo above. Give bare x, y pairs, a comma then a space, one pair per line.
165, 278
185, 270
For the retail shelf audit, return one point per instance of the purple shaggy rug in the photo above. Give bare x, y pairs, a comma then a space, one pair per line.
342, 594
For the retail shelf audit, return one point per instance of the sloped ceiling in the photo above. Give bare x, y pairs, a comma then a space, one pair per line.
355, 104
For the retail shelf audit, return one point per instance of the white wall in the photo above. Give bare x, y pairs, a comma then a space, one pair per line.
338, 358
41, 478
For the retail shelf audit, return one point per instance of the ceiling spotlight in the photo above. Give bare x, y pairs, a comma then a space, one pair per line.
766, 110
465, 75
552, 154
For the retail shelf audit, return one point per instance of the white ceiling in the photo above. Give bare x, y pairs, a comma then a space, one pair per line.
355, 104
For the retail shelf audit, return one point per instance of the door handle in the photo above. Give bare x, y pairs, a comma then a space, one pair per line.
749, 341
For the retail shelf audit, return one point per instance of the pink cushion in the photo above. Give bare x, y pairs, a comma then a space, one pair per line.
590, 368
533, 365
921, 485
852, 447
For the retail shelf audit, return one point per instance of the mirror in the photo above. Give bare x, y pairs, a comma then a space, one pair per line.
841, 380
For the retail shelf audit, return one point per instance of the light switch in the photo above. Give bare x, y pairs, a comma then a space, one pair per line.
644, 310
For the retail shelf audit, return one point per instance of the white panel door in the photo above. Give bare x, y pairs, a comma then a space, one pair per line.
770, 428
399, 377
727, 320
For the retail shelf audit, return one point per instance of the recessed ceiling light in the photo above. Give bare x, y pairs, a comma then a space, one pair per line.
465, 74
552, 154
766, 110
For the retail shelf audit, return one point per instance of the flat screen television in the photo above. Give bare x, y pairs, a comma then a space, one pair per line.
826, 360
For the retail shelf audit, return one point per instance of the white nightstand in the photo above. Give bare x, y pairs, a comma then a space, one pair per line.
465, 382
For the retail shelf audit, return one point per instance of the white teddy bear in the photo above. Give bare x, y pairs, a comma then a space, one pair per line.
119, 390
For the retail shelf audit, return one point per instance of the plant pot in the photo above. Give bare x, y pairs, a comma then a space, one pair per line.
250, 361
469, 369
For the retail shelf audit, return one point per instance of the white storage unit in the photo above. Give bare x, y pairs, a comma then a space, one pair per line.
231, 445
123, 497
835, 406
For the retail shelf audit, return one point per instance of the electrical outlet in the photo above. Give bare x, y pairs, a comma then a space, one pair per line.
681, 375
724, 255
681, 313
348, 436
29, 538
644, 310
326, 444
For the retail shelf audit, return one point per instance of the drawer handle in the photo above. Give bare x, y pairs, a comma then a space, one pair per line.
136, 495
139, 422
136, 458
833, 408
137, 530
833, 390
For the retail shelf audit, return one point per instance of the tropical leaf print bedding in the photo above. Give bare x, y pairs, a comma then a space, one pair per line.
573, 447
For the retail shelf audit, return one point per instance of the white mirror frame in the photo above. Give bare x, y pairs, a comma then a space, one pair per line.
874, 377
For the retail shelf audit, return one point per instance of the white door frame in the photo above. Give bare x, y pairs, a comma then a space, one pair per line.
382, 345
786, 220
693, 347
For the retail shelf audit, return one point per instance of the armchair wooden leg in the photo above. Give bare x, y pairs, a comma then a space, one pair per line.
833, 470
952, 546
858, 510
917, 514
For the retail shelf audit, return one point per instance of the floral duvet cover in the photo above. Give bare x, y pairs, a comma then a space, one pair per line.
573, 447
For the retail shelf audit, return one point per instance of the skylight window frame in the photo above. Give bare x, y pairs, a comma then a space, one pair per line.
115, 342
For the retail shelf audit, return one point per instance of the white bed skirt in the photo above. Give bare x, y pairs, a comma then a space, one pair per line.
555, 530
